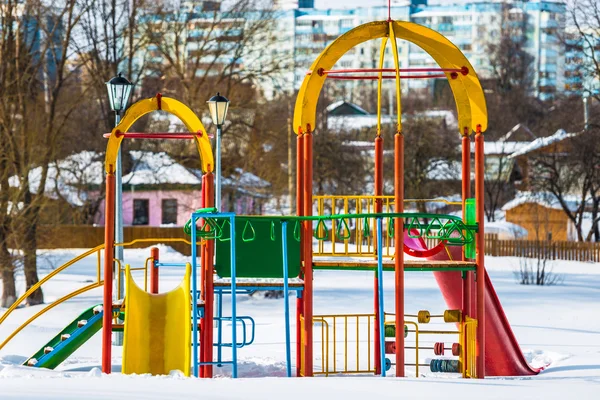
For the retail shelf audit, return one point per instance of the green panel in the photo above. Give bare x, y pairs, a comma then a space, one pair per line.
53, 359
471, 220
258, 249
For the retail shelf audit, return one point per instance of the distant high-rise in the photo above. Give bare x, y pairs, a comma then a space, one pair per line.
294, 4
473, 26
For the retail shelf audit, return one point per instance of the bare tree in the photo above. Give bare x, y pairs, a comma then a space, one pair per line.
568, 169
498, 186
510, 62
39, 95
584, 16
197, 48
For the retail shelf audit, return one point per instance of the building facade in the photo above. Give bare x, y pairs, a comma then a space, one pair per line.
472, 26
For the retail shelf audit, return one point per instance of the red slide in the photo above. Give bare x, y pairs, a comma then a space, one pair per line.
503, 356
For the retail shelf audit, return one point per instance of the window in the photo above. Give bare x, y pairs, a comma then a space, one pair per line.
140, 212
169, 211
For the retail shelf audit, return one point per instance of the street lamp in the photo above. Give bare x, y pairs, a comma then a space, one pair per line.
218, 106
119, 91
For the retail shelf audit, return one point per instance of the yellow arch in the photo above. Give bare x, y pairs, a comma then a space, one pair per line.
172, 106
467, 90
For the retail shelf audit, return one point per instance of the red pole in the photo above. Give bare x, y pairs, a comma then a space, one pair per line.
209, 283
399, 245
308, 273
378, 209
154, 270
480, 216
466, 193
202, 253
109, 238
299, 212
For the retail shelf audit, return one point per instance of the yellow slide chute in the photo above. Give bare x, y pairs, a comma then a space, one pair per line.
157, 337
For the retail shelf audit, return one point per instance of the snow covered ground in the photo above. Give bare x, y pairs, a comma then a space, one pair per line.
557, 325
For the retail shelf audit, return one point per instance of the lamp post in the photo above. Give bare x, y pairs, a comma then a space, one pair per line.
218, 105
119, 91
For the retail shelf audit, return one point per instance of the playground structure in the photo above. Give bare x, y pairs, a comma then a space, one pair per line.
369, 233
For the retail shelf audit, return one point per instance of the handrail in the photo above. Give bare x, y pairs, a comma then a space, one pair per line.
49, 307
79, 291
384, 197
46, 279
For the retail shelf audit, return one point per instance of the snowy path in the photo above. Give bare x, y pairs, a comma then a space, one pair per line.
559, 325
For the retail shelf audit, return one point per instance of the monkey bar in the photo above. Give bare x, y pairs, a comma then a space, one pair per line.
158, 135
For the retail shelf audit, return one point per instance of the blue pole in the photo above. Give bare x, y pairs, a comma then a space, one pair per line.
194, 299
233, 297
288, 355
380, 294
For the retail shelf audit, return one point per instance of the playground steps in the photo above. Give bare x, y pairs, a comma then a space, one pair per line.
388, 264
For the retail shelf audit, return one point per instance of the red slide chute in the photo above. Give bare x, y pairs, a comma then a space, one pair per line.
503, 355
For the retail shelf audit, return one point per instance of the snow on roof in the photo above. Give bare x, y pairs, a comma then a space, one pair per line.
158, 169
72, 177
506, 229
244, 179
370, 120
442, 170
539, 143
77, 170
500, 147
544, 199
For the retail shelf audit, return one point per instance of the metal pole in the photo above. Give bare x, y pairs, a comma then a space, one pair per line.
109, 236
119, 229
234, 370
399, 251
480, 272
378, 206
194, 298
288, 352
381, 323
218, 171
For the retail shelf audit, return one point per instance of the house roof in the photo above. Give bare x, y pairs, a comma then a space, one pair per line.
542, 142
158, 169
343, 107
72, 177
545, 199
501, 147
66, 176
239, 179
363, 119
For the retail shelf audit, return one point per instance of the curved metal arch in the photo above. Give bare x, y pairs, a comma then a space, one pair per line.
172, 106
467, 90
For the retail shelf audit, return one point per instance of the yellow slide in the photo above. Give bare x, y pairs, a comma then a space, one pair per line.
157, 335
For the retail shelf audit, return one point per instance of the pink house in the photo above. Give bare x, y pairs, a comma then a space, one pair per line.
159, 191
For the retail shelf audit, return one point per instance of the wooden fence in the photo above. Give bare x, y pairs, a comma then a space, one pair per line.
85, 237
552, 250
81, 236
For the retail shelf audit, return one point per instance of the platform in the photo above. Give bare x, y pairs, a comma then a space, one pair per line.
259, 283
368, 264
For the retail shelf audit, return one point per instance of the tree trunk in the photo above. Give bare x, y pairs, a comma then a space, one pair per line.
7, 273
30, 263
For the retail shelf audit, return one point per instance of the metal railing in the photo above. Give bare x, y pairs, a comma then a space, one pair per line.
342, 333
351, 237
